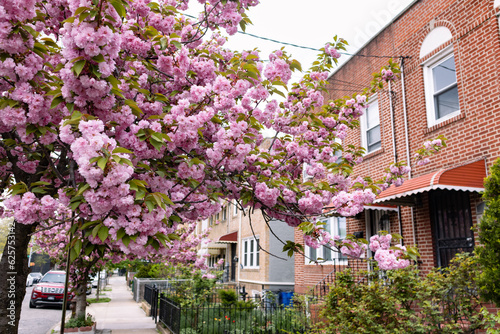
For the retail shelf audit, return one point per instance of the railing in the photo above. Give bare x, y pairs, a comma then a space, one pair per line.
170, 314
321, 289
151, 294
220, 319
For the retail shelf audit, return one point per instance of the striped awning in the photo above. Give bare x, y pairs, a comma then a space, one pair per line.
230, 238
467, 177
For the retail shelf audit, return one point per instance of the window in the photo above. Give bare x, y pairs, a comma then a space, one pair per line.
224, 213
235, 208
370, 127
305, 176
334, 226
441, 91
211, 220
251, 253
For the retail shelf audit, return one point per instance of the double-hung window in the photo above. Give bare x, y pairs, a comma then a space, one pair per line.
370, 127
251, 253
441, 91
328, 254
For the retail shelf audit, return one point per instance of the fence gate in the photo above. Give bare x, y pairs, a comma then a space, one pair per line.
452, 222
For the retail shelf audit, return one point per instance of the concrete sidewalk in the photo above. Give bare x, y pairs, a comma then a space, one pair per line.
122, 315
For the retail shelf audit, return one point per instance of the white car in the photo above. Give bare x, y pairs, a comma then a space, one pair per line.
33, 278
95, 279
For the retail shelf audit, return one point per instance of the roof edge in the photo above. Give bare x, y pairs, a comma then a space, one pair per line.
375, 36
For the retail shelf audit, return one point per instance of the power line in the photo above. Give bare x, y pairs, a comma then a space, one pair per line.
307, 47
313, 49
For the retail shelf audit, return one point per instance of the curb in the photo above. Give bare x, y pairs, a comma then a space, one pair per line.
55, 329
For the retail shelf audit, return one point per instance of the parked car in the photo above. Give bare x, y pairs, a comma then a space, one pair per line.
50, 290
95, 279
33, 278
89, 288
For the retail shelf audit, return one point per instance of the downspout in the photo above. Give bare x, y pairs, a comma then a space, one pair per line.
394, 152
407, 141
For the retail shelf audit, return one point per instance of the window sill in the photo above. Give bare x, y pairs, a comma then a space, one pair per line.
373, 154
328, 263
250, 269
444, 123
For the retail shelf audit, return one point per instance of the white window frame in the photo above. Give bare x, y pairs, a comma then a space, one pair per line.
305, 177
235, 208
337, 258
364, 123
224, 213
428, 66
250, 258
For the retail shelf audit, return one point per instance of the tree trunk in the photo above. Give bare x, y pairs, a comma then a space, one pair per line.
13, 273
81, 300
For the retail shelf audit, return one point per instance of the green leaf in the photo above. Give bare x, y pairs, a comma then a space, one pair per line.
78, 246
117, 4
95, 230
120, 234
133, 105
113, 81
99, 58
72, 255
121, 150
103, 233
81, 10
38, 190
126, 240
56, 101
89, 248
82, 189
102, 163
78, 67
18, 188
83, 16
177, 44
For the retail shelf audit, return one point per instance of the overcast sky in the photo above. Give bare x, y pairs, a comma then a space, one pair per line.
312, 23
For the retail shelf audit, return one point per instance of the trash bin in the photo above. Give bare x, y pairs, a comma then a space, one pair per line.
285, 298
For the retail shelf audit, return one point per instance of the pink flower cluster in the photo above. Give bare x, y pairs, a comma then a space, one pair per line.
388, 258
387, 75
352, 248
331, 51
27, 209
277, 68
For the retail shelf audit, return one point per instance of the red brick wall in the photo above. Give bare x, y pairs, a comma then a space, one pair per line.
473, 135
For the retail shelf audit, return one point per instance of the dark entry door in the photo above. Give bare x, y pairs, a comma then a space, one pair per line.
452, 223
233, 263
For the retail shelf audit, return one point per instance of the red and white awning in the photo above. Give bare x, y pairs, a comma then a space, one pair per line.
468, 177
230, 238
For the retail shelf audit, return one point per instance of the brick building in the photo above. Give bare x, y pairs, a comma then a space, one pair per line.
450, 56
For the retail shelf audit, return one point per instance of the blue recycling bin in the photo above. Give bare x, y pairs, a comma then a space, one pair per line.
285, 298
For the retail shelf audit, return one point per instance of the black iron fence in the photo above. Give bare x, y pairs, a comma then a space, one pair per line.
151, 295
357, 266
234, 319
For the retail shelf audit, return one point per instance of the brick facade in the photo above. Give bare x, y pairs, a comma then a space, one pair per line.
472, 135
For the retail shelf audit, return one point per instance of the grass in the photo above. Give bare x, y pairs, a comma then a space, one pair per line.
101, 300
107, 289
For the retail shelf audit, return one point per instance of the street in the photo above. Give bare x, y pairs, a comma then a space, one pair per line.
39, 320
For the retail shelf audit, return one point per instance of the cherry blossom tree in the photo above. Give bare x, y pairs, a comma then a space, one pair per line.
85, 263
126, 118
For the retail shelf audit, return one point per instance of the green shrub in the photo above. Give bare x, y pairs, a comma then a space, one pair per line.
401, 301
79, 322
489, 238
228, 297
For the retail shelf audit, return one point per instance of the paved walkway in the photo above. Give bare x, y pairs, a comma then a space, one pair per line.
122, 315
